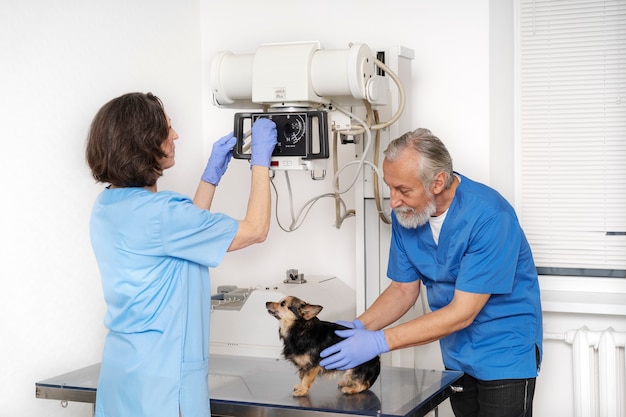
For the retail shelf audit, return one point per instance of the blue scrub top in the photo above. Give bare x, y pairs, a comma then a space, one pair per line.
482, 249
153, 251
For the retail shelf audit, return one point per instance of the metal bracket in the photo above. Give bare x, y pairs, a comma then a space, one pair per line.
294, 278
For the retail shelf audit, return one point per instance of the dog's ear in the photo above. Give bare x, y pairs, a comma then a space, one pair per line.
308, 311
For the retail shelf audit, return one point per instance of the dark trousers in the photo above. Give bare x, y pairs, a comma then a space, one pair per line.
500, 398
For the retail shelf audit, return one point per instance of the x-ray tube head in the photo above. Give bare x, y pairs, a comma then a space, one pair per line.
281, 75
342, 72
231, 78
298, 74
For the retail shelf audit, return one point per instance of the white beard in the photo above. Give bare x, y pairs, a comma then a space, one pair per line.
411, 219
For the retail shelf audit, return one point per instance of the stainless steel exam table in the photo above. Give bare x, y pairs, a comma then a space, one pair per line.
250, 387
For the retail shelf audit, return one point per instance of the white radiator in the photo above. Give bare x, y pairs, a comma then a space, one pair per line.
599, 371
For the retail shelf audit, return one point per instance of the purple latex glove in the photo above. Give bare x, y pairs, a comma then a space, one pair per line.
264, 139
354, 324
221, 154
359, 346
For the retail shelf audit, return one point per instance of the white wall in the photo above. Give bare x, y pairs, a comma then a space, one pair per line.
61, 60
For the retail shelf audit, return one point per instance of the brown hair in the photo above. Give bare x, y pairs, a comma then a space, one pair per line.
124, 141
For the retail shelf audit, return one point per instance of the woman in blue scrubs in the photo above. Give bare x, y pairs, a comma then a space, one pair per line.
463, 241
153, 249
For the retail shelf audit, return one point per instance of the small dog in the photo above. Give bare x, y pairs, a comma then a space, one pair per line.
304, 336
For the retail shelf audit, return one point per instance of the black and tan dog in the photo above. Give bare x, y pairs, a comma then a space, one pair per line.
304, 336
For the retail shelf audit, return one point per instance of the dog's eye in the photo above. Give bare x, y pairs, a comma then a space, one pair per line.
282, 303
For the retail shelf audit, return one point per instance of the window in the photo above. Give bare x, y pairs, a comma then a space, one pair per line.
572, 134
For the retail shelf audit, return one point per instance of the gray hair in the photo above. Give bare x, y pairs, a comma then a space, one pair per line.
432, 153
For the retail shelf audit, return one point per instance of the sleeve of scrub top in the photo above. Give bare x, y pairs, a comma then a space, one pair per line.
489, 265
195, 234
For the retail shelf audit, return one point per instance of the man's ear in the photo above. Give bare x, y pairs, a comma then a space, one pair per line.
439, 183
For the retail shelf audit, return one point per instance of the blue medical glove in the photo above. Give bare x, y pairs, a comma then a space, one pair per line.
221, 154
359, 346
354, 324
264, 139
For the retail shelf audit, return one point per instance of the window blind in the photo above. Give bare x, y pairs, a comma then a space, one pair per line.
572, 134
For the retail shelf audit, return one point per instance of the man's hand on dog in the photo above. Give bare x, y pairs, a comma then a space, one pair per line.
359, 346
354, 324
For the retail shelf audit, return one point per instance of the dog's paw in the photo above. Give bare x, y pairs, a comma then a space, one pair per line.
300, 391
353, 387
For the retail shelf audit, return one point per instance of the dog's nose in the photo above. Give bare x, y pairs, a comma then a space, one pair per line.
267, 304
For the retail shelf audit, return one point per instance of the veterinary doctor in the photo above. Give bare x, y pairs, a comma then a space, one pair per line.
154, 249
463, 241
